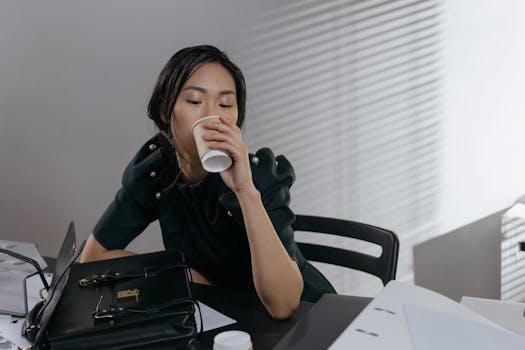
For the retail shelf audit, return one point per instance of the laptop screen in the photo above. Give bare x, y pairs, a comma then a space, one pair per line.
66, 252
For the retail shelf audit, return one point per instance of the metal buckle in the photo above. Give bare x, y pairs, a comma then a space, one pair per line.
41, 293
112, 312
88, 281
32, 328
94, 280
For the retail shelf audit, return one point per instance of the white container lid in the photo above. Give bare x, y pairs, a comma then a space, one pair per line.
232, 340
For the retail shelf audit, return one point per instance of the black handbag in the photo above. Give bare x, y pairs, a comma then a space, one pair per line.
121, 303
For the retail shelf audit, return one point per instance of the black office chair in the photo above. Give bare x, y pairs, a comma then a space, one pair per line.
383, 266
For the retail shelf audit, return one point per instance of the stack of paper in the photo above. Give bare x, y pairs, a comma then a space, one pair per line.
13, 273
10, 333
508, 314
404, 316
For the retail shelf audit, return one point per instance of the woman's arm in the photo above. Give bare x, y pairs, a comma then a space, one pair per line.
93, 250
276, 276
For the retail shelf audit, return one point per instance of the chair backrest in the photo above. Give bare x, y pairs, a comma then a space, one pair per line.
383, 266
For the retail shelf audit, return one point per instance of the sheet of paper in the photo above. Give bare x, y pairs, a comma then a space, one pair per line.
5, 344
435, 330
382, 324
212, 318
10, 329
507, 314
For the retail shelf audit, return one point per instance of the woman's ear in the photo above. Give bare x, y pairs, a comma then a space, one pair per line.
165, 120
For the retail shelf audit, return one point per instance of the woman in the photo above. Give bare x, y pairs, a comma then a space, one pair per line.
233, 227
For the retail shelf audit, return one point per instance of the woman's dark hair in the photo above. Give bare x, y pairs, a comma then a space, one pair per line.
177, 71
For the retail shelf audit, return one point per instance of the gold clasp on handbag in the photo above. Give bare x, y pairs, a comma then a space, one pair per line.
103, 314
106, 313
88, 281
32, 328
95, 280
41, 293
129, 293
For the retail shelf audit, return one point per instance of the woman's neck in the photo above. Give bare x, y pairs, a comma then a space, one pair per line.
191, 168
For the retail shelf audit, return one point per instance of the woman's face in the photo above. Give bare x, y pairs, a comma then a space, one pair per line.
210, 90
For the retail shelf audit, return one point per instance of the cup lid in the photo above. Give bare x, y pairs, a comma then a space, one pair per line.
232, 340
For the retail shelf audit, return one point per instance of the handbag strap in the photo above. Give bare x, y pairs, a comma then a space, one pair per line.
114, 311
109, 276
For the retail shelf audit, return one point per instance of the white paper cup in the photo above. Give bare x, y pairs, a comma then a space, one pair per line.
213, 161
232, 340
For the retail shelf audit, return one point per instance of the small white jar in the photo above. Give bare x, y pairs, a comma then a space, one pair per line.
232, 340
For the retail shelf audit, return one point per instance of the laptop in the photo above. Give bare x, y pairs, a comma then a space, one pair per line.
66, 252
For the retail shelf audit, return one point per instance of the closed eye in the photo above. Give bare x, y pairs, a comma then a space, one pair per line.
193, 102
225, 106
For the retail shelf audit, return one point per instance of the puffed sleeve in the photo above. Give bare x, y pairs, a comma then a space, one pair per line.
273, 177
136, 204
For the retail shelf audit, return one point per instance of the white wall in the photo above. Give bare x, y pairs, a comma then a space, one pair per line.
483, 109
75, 80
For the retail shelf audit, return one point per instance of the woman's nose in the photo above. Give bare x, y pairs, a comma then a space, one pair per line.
213, 109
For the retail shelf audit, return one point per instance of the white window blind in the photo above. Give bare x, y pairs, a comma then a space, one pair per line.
349, 92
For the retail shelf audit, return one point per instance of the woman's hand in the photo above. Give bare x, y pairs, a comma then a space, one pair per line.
225, 135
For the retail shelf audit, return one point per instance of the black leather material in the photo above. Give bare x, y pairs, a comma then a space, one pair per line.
149, 318
67, 251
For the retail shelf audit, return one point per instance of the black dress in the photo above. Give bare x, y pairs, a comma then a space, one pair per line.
204, 220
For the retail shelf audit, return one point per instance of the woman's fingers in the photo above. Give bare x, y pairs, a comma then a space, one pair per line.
225, 142
221, 127
216, 141
215, 136
221, 132
225, 136
227, 120
236, 151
